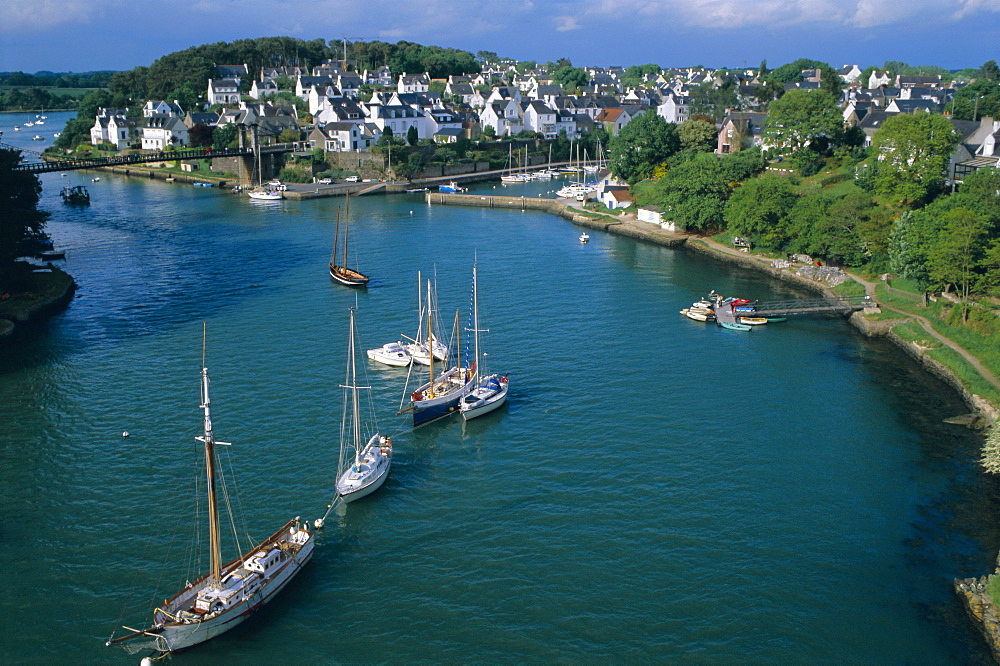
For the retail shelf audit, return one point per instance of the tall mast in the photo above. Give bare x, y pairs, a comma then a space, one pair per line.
209, 440
355, 427
336, 238
347, 224
430, 338
475, 319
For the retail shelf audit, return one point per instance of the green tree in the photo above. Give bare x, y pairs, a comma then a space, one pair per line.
801, 117
697, 135
759, 209
990, 71
412, 136
571, 77
912, 151
955, 258
224, 136
20, 219
490, 132
641, 145
991, 450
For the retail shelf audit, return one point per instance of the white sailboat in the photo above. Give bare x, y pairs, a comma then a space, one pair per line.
392, 353
262, 192
490, 389
232, 591
362, 467
427, 344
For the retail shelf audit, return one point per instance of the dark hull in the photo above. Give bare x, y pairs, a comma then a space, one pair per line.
347, 276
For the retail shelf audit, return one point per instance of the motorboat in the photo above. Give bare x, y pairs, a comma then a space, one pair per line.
393, 353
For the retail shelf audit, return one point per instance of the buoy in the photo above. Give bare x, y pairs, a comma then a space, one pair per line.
411, 212
125, 433
318, 523
146, 661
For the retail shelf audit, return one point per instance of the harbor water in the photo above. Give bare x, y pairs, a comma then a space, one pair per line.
655, 488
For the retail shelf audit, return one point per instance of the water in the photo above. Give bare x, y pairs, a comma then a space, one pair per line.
655, 488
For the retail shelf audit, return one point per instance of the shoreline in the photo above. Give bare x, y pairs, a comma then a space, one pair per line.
14, 321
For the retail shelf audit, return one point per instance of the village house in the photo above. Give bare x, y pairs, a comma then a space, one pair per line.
112, 126
160, 131
413, 83
161, 108
223, 91
740, 130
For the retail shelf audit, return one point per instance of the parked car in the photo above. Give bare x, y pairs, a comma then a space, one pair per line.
325, 181
351, 179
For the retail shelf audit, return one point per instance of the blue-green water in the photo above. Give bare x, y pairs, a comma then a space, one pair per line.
655, 488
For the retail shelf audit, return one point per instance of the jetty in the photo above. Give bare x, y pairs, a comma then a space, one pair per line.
798, 306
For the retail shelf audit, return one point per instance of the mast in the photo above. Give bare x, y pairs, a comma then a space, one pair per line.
355, 426
475, 319
347, 223
430, 339
336, 237
209, 440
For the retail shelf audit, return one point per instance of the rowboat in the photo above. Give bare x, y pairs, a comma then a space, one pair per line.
753, 321
734, 326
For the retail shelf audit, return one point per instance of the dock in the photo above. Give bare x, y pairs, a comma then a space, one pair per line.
797, 306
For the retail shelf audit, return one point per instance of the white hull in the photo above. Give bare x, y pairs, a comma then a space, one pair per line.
393, 354
483, 401
176, 627
369, 475
265, 196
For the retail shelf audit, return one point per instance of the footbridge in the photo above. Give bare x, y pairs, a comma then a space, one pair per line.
801, 306
47, 164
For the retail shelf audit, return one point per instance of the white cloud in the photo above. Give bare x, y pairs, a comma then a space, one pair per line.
567, 23
21, 15
732, 14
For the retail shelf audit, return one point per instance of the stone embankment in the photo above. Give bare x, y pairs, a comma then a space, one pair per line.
979, 607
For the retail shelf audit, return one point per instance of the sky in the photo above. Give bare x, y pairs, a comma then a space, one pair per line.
88, 35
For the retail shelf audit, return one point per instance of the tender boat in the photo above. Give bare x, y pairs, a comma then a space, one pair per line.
698, 314
584, 238
393, 353
752, 321
734, 326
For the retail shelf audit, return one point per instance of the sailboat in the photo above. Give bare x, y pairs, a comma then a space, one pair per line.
510, 176
362, 468
426, 343
232, 591
342, 273
262, 192
440, 395
490, 389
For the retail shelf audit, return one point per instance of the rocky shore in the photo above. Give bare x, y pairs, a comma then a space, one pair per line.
53, 291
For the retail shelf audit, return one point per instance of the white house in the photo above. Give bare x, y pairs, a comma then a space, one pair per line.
223, 91
654, 215
158, 132
111, 126
673, 109
398, 118
538, 117
160, 108
413, 83
503, 116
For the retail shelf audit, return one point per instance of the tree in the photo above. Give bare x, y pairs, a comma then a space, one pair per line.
801, 117
20, 219
201, 135
645, 142
412, 136
957, 253
571, 77
386, 138
990, 71
490, 132
224, 136
911, 153
697, 135
759, 209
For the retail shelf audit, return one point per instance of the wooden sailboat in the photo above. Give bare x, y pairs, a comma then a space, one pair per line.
363, 467
232, 591
490, 389
341, 273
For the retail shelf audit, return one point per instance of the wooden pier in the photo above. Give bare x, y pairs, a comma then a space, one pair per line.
724, 312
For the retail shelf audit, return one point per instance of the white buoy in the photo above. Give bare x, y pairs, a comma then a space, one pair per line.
125, 433
411, 212
146, 661
318, 523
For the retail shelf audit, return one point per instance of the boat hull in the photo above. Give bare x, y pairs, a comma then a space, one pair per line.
348, 277
734, 327
395, 355
378, 457
444, 402
172, 636
474, 405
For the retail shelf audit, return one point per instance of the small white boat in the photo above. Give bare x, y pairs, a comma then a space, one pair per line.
752, 321
393, 353
38, 137
451, 187
584, 237
95, 180
17, 128
418, 351
703, 303
698, 314
263, 194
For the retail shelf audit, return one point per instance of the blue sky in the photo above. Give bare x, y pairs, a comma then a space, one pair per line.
84, 35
